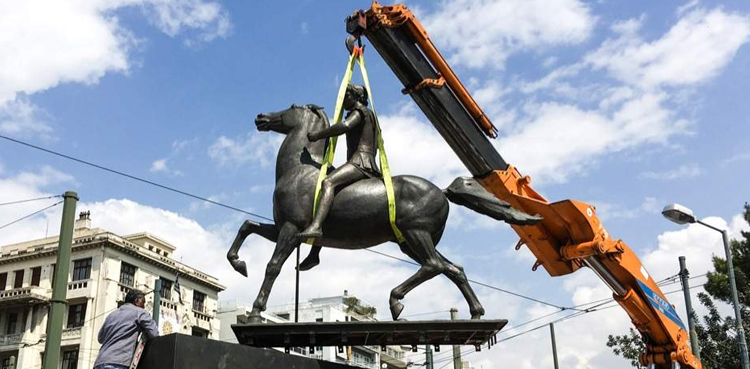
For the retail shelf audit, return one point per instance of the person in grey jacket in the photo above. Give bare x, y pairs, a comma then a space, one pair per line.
119, 334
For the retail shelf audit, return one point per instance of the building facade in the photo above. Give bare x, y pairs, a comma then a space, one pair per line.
103, 268
341, 308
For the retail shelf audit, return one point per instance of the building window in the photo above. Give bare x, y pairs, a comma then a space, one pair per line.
18, 278
3, 281
166, 289
82, 269
199, 300
70, 359
76, 315
10, 326
36, 276
127, 274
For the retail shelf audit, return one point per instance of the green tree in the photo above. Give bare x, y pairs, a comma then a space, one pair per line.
717, 336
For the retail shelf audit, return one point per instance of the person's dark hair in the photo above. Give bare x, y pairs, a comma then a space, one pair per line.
358, 92
133, 295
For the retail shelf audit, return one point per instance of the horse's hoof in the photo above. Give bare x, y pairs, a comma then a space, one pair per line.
396, 309
309, 263
476, 316
254, 319
240, 266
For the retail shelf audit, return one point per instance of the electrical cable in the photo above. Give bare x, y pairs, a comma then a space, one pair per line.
28, 200
480, 283
599, 307
562, 308
181, 192
30, 215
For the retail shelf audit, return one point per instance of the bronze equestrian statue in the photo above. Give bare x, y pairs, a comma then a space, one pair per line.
358, 215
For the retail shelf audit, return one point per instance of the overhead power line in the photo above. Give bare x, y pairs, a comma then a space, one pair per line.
117, 172
201, 198
598, 307
172, 189
28, 200
481, 284
30, 215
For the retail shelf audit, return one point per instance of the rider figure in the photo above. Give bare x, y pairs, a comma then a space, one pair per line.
361, 148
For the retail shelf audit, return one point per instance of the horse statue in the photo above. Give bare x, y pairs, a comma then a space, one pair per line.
358, 218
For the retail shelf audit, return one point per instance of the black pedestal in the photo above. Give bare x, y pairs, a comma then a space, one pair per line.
178, 351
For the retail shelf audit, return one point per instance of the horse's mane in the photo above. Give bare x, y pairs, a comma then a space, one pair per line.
319, 111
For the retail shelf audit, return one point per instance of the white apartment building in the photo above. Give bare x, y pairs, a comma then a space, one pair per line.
341, 308
103, 267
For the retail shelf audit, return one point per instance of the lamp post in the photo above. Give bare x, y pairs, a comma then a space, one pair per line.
682, 215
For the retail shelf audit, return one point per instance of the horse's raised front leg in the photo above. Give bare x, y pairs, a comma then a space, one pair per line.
287, 242
267, 231
419, 246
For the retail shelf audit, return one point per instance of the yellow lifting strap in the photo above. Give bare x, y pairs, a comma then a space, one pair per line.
331, 150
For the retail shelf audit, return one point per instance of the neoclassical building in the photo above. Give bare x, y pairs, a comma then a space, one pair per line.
103, 267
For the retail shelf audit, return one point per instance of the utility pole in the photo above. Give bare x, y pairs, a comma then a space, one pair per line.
684, 274
157, 300
428, 356
554, 344
60, 283
296, 290
456, 349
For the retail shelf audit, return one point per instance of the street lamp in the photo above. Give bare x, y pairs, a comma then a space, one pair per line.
682, 215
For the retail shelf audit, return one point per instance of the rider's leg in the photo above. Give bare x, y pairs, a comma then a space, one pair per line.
341, 176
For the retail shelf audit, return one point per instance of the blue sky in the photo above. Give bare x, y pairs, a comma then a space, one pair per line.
629, 106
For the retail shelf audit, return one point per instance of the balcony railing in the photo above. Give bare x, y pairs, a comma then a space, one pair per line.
168, 304
24, 296
80, 288
10, 339
71, 333
77, 285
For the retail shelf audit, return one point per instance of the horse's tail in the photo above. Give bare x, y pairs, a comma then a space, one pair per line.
468, 192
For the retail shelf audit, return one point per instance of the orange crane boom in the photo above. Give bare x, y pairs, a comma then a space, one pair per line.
570, 236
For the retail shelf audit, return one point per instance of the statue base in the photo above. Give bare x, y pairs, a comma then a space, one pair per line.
178, 351
370, 333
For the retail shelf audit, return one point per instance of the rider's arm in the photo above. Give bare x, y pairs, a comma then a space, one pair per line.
351, 121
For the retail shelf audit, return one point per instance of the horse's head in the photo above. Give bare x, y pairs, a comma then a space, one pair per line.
296, 117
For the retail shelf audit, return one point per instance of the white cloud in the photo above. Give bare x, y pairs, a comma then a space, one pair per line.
606, 210
47, 43
176, 16
256, 148
553, 140
694, 50
739, 157
161, 166
556, 140
683, 171
29, 185
415, 147
486, 32
21, 118
179, 145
